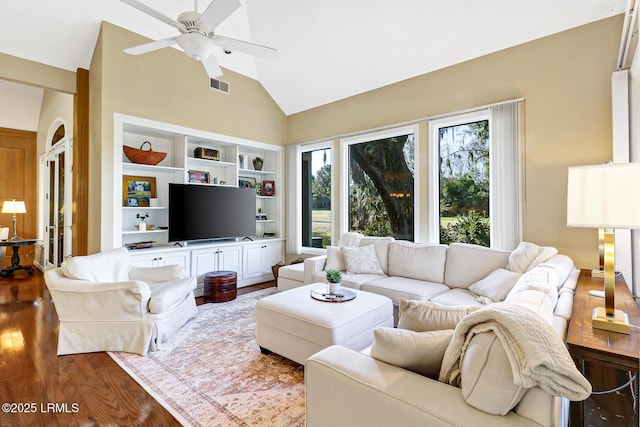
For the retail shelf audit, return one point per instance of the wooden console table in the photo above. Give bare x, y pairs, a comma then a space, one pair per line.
596, 346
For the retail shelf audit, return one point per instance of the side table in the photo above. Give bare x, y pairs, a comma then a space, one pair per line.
220, 286
599, 347
15, 258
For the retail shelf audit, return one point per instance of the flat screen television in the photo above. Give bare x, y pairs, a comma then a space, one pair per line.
201, 212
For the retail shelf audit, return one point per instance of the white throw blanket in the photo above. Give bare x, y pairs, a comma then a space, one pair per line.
537, 355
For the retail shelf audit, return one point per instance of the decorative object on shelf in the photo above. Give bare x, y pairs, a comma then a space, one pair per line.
257, 163
259, 189
199, 177
14, 207
142, 225
269, 235
154, 202
246, 181
334, 277
132, 202
268, 188
206, 153
141, 188
243, 161
139, 245
144, 157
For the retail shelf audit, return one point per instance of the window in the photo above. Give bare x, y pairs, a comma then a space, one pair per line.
475, 177
464, 183
316, 198
380, 184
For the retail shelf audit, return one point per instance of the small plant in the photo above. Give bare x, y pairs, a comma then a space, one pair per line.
258, 160
142, 217
257, 163
334, 276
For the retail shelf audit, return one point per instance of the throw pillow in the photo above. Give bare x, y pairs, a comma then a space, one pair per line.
361, 260
419, 352
421, 316
486, 380
522, 256
335, 259
496, 285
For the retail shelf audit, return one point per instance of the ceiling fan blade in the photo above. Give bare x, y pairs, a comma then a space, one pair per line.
218, 11
245, 47
153, 13
149, 47
211, 66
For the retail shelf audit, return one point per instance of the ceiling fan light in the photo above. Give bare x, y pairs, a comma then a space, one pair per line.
195, 46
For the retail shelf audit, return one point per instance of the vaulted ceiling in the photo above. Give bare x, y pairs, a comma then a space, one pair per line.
327, 50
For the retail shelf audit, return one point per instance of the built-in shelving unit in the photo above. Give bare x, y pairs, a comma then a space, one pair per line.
178, 166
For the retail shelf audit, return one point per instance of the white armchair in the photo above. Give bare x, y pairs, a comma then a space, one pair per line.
104, 304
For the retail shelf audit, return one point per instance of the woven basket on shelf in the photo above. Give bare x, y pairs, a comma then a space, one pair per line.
145, 157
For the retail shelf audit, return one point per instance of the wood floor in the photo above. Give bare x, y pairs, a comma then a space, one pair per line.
43, 389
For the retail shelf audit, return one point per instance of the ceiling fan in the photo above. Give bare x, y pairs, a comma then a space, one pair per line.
197, 38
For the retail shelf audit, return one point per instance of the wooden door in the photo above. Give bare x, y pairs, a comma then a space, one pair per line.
18, 180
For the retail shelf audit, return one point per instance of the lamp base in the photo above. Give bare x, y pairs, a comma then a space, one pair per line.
619, 322
597, 273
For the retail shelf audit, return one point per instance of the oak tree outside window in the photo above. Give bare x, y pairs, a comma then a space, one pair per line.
381, 182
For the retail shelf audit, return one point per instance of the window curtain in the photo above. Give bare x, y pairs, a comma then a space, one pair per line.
293, 180
506, 177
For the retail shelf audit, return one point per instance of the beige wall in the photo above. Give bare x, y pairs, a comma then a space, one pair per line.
565, 80
169, 87
36, 74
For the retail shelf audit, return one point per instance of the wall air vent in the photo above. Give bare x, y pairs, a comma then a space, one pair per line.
219, 85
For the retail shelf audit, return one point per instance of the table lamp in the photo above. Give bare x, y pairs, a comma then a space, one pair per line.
14, 207
605, 196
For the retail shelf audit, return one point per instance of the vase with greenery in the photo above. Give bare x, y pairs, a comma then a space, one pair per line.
142, 225
334, 277
257, 163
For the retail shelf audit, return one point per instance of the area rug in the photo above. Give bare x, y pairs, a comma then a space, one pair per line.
211, 373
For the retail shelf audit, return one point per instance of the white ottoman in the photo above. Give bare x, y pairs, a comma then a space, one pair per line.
294, 325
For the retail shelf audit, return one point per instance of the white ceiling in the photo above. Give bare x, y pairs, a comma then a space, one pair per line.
327, 49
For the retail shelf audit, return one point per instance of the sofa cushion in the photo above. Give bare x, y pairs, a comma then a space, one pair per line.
292, 271
456, 297
423, 316
397, 287
361, 260
486, 380
353, 281
103, 267
421, 261
335, 259
466, 264
382, 249
496, 285
419, 352
562, 264
527, 255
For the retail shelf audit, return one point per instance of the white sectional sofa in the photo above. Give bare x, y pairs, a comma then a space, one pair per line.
443, 274
362, 390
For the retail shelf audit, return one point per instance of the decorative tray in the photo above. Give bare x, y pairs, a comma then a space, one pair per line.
139, 245
321, 293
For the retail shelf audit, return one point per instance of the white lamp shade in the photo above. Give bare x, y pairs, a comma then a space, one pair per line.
13, 207
606, 196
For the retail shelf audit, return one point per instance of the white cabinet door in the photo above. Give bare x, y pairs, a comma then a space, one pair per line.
143, 260
230, 259
252, 261
203, 261
160, 259
272, 253
181, 259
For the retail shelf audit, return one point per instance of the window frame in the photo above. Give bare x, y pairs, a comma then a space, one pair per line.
323, 145
345, 143
434, 164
